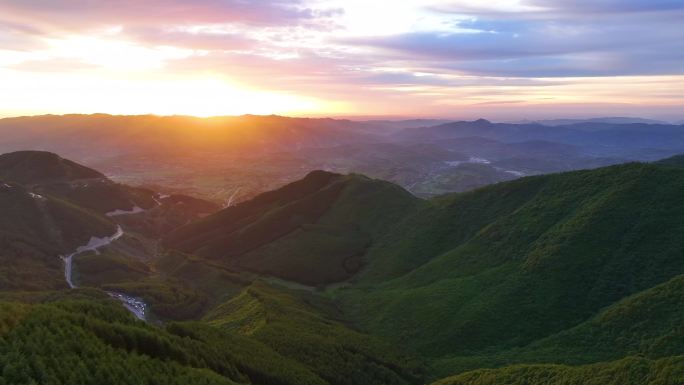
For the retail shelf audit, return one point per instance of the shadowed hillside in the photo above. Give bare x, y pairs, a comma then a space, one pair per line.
38, 167
311, 231
50, 174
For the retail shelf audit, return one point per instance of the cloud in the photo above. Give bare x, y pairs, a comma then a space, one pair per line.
377, 55
546, 47
189, 24
608, 6
17, 36
54, 66
198, 40
70, 14
532, 9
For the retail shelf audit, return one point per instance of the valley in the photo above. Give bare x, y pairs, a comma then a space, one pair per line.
345, 279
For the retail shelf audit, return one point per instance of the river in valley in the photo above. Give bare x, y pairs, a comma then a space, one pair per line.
135, 305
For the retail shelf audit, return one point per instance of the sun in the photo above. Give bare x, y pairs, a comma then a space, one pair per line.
212, 97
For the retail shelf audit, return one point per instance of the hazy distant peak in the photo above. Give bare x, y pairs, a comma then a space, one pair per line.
606, 120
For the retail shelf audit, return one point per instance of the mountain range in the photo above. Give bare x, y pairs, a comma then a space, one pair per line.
566, 278
231, 159
608, 120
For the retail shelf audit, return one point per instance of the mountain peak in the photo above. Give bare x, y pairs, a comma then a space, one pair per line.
312, 231
482, 121
31, 167
322, 174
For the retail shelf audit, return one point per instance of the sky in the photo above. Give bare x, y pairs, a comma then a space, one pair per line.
498, 59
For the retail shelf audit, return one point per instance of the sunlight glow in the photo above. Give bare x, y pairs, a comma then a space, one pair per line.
140, 94
319, 57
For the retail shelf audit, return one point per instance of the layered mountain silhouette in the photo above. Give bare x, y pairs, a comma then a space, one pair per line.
232, 159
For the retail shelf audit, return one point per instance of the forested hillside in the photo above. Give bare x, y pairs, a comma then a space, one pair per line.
312, 231
508, 272
572, 278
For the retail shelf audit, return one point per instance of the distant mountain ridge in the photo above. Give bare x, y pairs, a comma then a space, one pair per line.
74, 134
605, 138
607, 120
235, 158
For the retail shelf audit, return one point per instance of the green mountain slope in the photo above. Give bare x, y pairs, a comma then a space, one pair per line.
647, 324
677, 160
50, 206
313, 231
628, 371
504, 266
34, 231
517, 272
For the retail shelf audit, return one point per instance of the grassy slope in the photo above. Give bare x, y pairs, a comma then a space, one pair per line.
513, 263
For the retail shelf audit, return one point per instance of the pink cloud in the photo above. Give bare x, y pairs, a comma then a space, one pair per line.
76, 14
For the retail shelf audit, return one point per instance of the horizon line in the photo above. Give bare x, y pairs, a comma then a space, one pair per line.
351, 117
